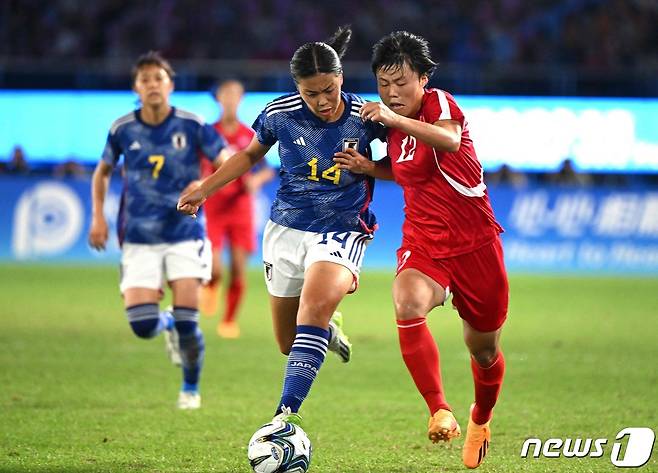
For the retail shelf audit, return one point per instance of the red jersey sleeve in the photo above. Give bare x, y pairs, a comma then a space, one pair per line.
440, 105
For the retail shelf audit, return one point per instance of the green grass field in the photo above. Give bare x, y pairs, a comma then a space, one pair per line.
79, 393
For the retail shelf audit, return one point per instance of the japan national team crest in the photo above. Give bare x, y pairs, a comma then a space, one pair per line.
350, 143
268, 270
179, 140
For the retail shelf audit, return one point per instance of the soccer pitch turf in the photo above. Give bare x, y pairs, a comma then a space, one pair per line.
80, 393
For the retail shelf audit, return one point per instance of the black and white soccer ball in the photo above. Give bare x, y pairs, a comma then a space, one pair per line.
279, 447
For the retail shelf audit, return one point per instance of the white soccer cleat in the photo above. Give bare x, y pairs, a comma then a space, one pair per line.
339, 343
172, 344
188, 400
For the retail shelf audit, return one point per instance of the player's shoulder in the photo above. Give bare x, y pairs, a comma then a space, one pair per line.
122, 121
354, 98
285, 104
441, 102
188, 116
355, 102
439, 96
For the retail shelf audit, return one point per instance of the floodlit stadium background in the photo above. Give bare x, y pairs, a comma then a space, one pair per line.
562, 99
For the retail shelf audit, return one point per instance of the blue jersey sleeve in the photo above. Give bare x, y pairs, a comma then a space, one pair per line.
210, 142
264, 128
112, 150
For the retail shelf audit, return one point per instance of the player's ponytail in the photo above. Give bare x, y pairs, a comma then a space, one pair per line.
340, 40
317, 57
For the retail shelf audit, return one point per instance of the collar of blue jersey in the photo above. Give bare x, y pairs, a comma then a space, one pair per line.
346, 113
138, 116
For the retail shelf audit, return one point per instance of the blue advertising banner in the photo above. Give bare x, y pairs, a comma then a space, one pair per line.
546, 229
593, 230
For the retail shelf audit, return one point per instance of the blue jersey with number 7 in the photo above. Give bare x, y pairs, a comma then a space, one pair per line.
314, 195
158, 163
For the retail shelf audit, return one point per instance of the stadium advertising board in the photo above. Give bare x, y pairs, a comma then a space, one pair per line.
546, 229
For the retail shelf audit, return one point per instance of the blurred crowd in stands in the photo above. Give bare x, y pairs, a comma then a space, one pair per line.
589, 33
600, 36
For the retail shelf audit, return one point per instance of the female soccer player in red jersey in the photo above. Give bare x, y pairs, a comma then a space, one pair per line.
230, 214
450, 240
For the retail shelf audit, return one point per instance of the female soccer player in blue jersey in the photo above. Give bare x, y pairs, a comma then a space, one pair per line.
160, 146
320, 222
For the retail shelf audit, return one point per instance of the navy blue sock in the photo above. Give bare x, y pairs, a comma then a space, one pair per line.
146, 321
192, 347
304, 362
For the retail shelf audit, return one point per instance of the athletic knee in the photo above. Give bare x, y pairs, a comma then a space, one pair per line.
237, 273
485, 356
408, 306
316, 312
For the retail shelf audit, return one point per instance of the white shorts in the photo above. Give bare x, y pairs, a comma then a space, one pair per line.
288, 253
150, 265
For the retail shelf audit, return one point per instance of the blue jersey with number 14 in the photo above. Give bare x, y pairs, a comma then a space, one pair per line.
314, 195
159, 162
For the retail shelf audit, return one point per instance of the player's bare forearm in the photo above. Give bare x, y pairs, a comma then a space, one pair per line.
221, 158
100, 182
98, 231
443, 135
234, 167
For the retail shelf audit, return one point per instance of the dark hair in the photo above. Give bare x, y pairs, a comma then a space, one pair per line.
399, 47
317, 57
152, 58
215, 88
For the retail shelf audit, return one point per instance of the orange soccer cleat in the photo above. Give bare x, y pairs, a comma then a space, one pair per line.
443, 426
228, 329
208, 299
476, 444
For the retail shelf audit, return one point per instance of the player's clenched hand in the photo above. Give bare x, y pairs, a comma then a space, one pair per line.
191, 199
353, 161
98, 233
378, 112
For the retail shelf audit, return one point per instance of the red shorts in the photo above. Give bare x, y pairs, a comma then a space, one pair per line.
238, 230
477, 280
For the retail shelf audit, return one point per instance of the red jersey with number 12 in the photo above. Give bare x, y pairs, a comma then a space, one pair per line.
447, 208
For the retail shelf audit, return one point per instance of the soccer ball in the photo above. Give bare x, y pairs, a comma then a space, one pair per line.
279, 447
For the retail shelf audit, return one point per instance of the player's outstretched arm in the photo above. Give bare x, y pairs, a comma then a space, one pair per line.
443, 135
221, 158
355, 162
234, 167
98, 232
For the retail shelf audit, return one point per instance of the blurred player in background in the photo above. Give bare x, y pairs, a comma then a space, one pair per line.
230, 213
160, 146
450, 237
320, 222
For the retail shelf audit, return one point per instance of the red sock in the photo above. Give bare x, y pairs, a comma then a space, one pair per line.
487, 383
421, 355
233, 299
